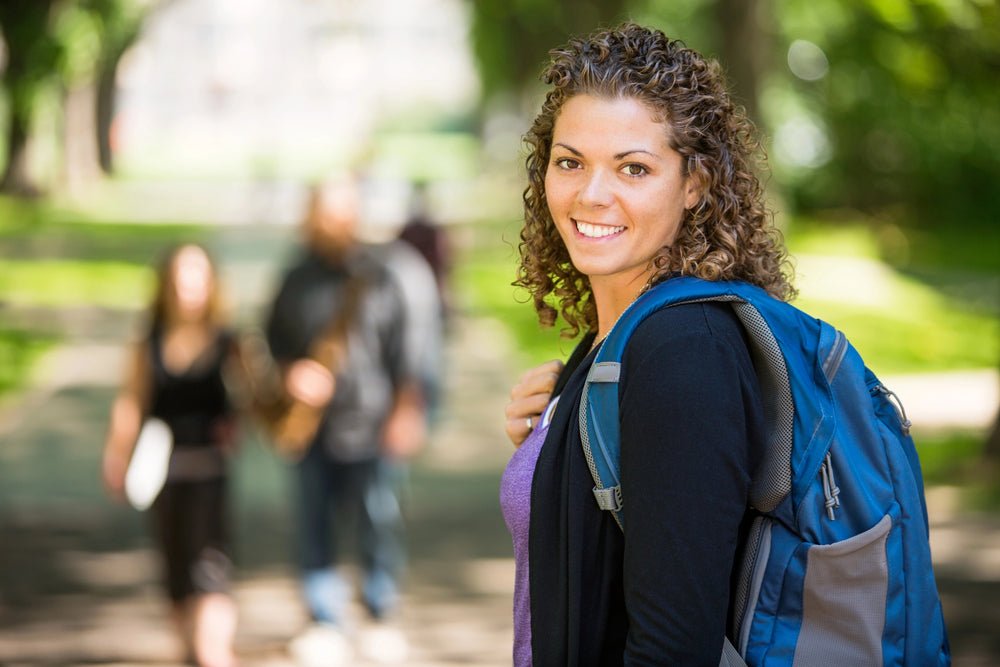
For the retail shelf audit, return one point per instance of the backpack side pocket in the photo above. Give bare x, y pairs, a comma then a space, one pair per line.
844, 599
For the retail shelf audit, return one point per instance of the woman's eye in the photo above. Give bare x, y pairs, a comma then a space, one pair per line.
634, 169
567, 163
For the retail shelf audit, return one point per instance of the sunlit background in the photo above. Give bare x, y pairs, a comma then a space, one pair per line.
130, 125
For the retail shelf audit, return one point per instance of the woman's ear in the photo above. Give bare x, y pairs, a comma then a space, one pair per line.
693, 190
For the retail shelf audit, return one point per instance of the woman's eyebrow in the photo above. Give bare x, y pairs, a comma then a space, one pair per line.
624, 154
618, 156
569, 148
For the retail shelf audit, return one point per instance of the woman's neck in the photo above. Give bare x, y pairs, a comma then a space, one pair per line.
184, 344
611, 300
186, 327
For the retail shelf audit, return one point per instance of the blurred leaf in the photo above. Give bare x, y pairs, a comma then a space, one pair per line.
79, 31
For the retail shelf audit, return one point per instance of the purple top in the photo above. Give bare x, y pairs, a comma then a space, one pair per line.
515, 502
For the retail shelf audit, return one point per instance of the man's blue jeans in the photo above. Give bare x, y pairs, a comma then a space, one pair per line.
334, 495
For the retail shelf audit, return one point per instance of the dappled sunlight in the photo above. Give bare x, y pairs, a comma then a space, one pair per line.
115, 569
970, 401
489, 576
859, 281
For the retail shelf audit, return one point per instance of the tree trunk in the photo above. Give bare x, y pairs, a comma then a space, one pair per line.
81, 167
105, 114
107, 93
17, 177
992, 448
744, 48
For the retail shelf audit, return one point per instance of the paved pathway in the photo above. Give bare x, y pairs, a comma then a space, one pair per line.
77, 574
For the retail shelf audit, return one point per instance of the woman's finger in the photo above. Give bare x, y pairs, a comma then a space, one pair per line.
523, 416
529, 406
538, 380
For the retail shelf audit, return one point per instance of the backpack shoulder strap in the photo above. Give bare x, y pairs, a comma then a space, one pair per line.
771, 325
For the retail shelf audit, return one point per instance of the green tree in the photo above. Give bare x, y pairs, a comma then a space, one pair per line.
121, 24
909, 102
70, 48
32, 54
512, 38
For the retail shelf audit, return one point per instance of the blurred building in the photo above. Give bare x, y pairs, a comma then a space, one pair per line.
272, 89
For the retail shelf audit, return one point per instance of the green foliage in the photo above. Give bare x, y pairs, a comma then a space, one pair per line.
484, 274
39, 228
897, 322
18, 351
945, 458
690, 21
512, 39
900, 117
31, 51
910, 107
79, 31
51, 46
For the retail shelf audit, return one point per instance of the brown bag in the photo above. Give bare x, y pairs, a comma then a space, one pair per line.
291, 423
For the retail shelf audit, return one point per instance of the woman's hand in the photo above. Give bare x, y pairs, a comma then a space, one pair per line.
113, 468
528, 399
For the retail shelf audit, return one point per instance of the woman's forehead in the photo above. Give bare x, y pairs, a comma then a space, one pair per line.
590, 119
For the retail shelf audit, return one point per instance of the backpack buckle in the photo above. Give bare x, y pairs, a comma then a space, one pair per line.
609, 499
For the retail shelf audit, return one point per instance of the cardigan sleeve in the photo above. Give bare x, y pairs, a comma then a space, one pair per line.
690, 411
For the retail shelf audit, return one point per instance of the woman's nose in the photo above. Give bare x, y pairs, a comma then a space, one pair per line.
596, 190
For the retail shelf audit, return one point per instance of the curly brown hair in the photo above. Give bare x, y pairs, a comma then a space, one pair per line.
728, 235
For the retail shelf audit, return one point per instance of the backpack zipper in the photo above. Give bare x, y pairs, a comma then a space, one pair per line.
837, 352
897, 404
831, 492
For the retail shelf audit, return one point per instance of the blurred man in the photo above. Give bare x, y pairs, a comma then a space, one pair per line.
374, 415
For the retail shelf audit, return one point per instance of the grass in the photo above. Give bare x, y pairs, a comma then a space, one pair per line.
62, 283
946, 457
962, 249
18, 352
484, 275
957, 459
54, 258
898, 323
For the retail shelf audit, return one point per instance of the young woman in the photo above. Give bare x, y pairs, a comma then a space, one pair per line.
176, 374
641, 168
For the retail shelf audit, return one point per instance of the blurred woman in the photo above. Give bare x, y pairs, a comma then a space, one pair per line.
176, 374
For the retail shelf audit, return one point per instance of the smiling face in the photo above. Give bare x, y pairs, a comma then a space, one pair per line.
615, 190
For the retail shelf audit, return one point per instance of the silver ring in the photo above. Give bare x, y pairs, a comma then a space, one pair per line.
527, 420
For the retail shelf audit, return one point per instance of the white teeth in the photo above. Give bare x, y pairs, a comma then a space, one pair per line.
596, 231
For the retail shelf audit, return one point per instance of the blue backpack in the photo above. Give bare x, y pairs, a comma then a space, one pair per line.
837, 567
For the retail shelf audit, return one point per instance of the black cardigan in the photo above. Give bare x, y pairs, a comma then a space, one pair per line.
692, 430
